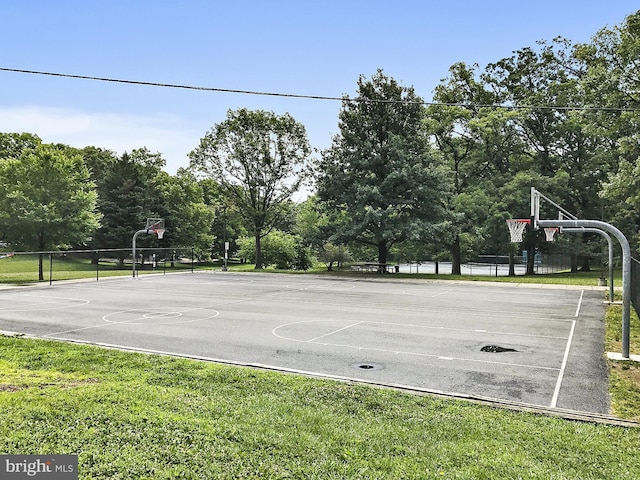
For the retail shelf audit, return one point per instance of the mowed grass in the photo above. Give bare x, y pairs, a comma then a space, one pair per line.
134, 416
22, 269
624, 377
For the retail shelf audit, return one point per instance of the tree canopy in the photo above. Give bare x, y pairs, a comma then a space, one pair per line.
260, 160
47, 199
381, 169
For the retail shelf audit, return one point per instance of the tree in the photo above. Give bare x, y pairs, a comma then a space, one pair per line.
558, 134
278, 248
187, 218
259, 159
479, 144
380, 169
128, 194
330, 254
612, 62
47, 200
13, 144
227, 225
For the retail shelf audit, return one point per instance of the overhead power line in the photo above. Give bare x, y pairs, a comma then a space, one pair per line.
320, 97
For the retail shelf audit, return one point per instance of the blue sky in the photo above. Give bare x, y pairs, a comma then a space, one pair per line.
301, 47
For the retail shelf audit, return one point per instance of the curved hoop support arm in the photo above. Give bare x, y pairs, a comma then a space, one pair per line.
609, 242
159, 232
626, 267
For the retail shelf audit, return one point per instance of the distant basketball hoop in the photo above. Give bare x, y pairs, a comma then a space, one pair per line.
517, 227
156, 226
550, 233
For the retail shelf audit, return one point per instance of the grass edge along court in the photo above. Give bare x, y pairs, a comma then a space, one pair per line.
129, 415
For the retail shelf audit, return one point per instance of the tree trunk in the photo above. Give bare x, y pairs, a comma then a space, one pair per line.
258, 252
512, 266
40, 256
382, 255
456, 257
574, 263
121, 256
40, 268
531, 260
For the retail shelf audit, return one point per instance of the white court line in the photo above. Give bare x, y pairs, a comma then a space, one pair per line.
454, 329
556, 392
133, 322
579, 303
45, 306
441, 293
335, 331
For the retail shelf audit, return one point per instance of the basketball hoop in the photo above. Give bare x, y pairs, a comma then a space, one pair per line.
516, 228
550, 232
156, 225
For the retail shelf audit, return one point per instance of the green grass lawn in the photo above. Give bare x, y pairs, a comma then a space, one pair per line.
134, 416
624, 376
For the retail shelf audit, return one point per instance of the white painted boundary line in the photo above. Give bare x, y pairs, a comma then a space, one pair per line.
579, 303
334, 332
556, 392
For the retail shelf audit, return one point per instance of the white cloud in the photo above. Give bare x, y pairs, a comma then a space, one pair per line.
172, 136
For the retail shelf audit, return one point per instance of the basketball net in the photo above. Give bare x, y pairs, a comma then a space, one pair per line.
516, 228
550, 232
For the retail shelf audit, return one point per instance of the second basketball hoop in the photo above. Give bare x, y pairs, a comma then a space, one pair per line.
550, 232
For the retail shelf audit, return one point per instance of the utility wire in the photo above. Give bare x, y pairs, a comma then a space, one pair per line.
322, 97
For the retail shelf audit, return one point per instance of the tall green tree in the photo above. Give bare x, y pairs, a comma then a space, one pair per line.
128, 194
612, 62
479, 143
546, 84
47, 200
259, 159
381, 170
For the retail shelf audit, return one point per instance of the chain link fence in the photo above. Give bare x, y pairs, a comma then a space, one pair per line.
25, 267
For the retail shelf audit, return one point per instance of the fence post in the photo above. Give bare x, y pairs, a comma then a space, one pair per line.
50, 267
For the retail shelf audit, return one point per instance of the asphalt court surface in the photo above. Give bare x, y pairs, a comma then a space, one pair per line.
528, 344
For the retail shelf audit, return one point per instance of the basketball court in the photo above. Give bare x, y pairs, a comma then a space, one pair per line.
508, 342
